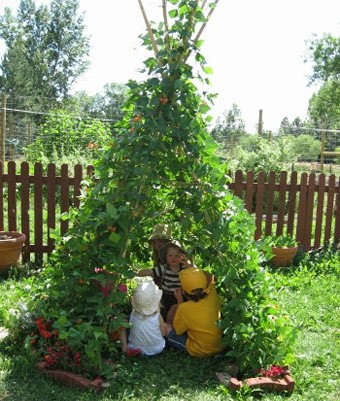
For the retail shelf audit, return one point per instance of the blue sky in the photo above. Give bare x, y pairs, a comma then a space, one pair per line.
255, 48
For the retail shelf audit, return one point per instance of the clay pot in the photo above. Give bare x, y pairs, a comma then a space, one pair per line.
283, 256
11, 243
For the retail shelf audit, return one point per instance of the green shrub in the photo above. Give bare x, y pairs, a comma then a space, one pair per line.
64, 135
281, 241
337, 158
264, 156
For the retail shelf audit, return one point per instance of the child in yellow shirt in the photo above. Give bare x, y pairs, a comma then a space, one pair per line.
195, 328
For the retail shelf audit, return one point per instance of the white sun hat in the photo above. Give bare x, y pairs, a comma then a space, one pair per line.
146, 297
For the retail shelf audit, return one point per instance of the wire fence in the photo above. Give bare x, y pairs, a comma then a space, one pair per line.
21, 118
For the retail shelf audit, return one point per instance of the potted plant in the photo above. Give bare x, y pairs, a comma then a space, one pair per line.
283, 247
11, 243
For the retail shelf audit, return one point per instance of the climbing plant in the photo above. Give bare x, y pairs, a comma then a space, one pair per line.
162, 167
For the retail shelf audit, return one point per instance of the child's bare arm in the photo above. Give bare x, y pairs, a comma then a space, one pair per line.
178, 295
185, 261
145, 272
162, 326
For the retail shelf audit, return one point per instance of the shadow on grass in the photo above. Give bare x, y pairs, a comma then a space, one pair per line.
171, 372
172, 375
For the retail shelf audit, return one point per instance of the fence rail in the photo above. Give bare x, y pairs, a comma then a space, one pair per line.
306, 206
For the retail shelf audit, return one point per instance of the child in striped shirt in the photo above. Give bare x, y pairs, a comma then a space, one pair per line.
173, 260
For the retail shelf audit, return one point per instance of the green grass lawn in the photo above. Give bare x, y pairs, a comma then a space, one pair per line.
310, 291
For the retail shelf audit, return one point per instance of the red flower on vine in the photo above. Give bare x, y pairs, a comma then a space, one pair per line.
109, 283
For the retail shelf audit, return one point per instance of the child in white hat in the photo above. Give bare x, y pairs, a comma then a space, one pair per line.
148, 329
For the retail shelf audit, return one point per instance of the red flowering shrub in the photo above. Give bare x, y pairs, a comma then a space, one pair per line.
43, 335
61, 356
79, 339
55, 352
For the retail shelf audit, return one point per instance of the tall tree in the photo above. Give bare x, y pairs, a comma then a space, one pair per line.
106, 105
324, 53
46, 49
229, 128
324, 106
293, 128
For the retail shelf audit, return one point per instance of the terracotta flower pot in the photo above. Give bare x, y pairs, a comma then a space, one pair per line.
283, 256
11, 243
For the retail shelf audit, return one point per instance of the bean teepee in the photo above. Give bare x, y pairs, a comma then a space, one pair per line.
161, 167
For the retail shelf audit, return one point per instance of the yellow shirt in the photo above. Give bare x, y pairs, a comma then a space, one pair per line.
199, 320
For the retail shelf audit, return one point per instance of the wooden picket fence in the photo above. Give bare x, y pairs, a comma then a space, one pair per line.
306, 206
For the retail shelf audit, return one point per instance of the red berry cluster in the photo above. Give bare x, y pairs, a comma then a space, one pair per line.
56, 353
274, 371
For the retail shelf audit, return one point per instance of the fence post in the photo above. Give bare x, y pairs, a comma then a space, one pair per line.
322, 156
3, 128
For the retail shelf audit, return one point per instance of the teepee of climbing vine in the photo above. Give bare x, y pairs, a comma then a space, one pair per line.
161, 167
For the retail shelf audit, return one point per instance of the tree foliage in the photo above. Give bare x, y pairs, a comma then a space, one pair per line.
229, 129
64, 134
161, 167
306, 148
324, 53
257, 154
46, 49
106, 105
323, 107
291, 128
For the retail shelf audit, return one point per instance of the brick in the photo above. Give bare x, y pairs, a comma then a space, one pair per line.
286, 383
70, 379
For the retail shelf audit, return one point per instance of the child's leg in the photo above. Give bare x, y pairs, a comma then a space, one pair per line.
177, 341
123, 339
171, 314
166, 303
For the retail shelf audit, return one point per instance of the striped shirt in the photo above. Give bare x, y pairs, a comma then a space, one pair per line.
169, 279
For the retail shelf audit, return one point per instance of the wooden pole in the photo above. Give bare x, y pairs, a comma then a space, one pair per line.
322, 157
260, 124
11, 136
3, 128
29, 128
